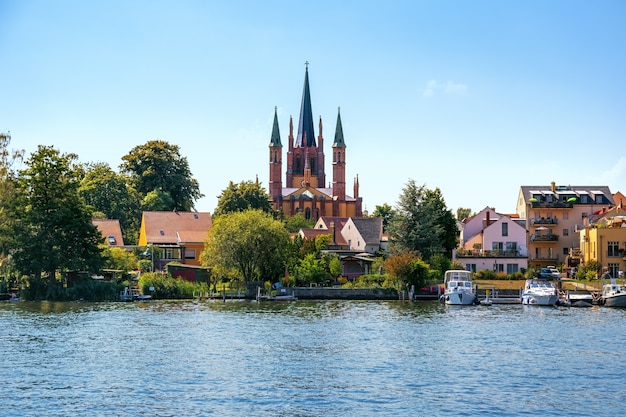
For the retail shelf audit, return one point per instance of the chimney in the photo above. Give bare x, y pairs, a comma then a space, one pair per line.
332, 233
553, 186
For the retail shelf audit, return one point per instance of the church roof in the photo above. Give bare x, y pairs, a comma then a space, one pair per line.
339, 143
275, 141
305, 126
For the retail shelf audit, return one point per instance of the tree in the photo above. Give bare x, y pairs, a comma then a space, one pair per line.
109, 193
7, 196
157, 165
247, 195
53, 230
120, 259
463, 213
298, 221
407, 267
311, 269
157, 200
423, 223
251, 242
386, 212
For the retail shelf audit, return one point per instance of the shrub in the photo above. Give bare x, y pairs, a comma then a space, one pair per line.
166, 287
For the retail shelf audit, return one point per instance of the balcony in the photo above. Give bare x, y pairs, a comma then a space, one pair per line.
544, 238
468, 253
551, 204
544, 221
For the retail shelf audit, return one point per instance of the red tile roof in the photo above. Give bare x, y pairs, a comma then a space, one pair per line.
175, 227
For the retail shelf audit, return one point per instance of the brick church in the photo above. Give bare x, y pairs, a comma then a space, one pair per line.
305, 189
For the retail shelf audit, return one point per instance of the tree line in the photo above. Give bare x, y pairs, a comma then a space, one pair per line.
47, 207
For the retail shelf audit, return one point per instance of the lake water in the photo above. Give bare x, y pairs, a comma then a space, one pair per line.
327, 358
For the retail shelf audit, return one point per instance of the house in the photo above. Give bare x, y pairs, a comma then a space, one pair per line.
111, 232
493, 241
354, 240
554, 215
605, 241
174, 236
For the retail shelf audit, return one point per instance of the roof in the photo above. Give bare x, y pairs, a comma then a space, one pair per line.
111, 231
339, 143
370, 228
275, 140
305, 126
527, 191
174, 227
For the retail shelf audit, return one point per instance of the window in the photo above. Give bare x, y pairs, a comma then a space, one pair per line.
470, 267
307, 213
565, 232
614, 270
505, 229
190, 254
565, 251
511, 247
512, 268
612, 250
565, 216
497, 246
498, 267
170, 253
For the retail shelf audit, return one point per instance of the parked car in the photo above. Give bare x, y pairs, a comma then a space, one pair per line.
549, 273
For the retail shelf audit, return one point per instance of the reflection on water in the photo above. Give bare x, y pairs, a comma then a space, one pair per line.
307, 358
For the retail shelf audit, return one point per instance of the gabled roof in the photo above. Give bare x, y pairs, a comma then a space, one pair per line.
307, 192
111, 231
325, 221
370, 228
174, 227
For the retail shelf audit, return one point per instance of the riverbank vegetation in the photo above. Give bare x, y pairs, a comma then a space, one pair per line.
49, 248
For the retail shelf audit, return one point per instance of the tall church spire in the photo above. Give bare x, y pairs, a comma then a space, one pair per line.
339, 143
306, 134
275, 140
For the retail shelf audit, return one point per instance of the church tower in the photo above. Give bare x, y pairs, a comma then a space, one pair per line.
305, 189
339, 162
276, 160
304, 149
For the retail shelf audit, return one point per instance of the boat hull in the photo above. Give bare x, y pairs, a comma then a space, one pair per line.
615, 301
539, 299
461, 298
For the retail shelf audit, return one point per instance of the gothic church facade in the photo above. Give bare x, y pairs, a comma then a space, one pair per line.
305, 189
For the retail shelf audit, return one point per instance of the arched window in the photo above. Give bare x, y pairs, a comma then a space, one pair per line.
307, 213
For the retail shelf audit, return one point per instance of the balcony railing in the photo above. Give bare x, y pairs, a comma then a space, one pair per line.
551, 204
544, 221
544, 238
468, 253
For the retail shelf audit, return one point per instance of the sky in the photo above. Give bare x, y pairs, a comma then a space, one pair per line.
476, 98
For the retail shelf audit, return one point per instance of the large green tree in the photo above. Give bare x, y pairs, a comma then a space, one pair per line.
251, 242
386, 212
422, 222
158, 166
109, 193
244, 196
53, 230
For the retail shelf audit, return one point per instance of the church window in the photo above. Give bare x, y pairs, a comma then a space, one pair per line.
313, 164
307, 213
298, 163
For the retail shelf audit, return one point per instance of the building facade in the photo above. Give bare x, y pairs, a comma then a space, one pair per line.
305, 189
554, 216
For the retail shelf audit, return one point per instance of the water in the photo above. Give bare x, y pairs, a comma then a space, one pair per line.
344, 358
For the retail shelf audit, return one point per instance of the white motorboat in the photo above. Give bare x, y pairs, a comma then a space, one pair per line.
458, 289
613, 295
539, 292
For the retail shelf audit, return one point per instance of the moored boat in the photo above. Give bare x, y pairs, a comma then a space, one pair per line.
458, 288
539, 292
613, 295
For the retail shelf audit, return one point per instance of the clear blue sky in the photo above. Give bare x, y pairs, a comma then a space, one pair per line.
474, 97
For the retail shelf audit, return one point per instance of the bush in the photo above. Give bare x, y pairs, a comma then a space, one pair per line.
166, 287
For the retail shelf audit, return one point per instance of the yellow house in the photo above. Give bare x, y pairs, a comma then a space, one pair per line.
173, 236
605, 242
